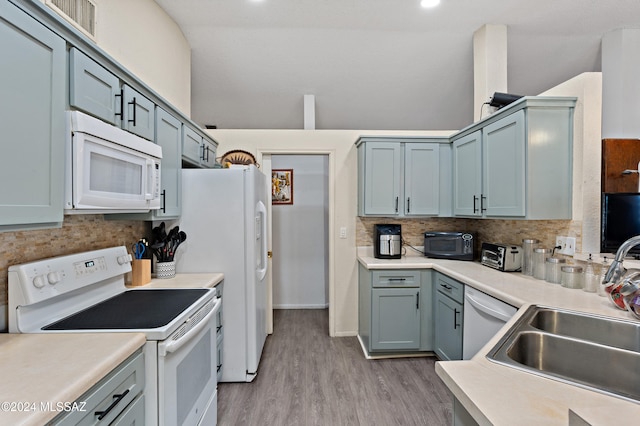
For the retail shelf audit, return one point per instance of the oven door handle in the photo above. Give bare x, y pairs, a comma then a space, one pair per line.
169, 346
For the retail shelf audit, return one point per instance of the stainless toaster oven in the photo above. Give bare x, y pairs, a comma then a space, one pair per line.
502, 257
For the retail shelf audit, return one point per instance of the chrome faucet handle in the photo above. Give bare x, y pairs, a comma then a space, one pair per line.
615, 272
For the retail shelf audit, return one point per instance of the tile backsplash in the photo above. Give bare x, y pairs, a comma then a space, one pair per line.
487, 230
78, 233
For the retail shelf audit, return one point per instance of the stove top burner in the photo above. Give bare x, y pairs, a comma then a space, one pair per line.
132, 309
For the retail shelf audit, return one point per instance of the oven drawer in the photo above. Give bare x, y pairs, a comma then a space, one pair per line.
111, 395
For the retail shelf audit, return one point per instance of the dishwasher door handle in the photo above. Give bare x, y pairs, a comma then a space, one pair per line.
486, 309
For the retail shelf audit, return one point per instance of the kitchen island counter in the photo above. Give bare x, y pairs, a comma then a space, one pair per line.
499, 395
41, 371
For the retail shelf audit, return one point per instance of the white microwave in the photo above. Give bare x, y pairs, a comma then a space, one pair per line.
109, 170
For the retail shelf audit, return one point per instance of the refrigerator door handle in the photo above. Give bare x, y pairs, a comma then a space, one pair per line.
261, 234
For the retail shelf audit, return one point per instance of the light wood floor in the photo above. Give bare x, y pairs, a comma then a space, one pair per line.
308, 378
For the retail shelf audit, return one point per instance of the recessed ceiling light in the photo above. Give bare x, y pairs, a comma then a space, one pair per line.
429, 3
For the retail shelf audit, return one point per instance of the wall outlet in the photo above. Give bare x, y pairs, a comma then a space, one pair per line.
567, 245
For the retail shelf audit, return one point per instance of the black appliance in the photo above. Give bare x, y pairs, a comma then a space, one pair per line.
449, 245
620, 221
387, 241
500, 100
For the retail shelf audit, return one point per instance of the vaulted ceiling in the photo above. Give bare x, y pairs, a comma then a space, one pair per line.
377, 64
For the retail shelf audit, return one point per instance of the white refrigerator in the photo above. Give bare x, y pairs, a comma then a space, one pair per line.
225, 218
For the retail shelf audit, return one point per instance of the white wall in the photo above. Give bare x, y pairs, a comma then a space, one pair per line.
587, 153
340, 145
621, 85
143, 38
300, 235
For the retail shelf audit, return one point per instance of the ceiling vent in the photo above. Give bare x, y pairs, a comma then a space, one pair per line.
80, 13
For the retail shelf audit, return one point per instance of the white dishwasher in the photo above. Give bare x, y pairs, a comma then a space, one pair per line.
483, 317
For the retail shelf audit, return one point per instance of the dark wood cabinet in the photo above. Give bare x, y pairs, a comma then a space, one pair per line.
619, 155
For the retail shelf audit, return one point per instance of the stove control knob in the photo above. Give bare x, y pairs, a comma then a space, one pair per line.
124, 259
39, 281
54, 277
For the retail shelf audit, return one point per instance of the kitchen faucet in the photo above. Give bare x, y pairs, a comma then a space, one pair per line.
616, 271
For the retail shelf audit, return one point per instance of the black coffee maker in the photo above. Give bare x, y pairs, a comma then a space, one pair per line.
387, 241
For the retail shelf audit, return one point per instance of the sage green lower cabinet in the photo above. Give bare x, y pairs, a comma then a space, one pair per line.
395, 310
118, 398
32, 119
395, 318
448, 317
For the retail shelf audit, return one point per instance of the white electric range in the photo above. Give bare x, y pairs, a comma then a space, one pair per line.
86, 292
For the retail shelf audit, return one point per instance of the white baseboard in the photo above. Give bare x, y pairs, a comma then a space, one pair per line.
287, 306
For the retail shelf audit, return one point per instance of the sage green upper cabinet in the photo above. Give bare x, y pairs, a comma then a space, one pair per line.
208, 153
421, 181
96, 91
191, 146
32, 119
380, 178
169, 137
92, 88
503, 167
197, 151
467, 174
138, 113
516, 163
402, 177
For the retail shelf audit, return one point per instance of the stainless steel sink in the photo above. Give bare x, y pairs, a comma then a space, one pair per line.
607, 331
593, 352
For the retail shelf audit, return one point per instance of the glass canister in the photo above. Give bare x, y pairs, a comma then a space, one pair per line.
571, 276
591, 277
528, 244
539, 256
552, 272
603, 271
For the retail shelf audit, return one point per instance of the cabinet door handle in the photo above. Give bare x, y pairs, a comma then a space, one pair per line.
418, 301
163, 194
117, 398
121, 96
202, 157
482, 208
455, 319
396, 204
475, 199
135, 107
408, 204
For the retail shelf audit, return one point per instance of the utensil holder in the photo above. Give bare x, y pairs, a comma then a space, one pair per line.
165, 269
140, 272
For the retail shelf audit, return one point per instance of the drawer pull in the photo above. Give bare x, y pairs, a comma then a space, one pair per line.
117, 398
447, 287
397, 279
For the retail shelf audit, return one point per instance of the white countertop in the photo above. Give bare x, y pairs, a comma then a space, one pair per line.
499, 395
55, 368
201, 280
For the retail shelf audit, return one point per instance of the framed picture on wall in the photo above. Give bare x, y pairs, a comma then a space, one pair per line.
282, 186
